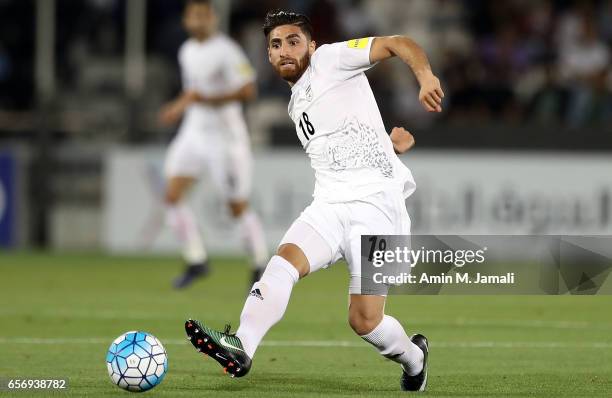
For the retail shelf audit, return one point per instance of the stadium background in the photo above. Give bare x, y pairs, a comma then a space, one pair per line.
80, 81
522, 147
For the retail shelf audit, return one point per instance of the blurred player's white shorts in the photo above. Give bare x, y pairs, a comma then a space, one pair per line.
229, 164
327, 232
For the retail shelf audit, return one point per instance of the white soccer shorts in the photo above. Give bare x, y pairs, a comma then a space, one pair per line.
229, 164
327, 232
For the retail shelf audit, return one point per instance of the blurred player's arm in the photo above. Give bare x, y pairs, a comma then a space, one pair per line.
412, 54
402, 140
173, 110
245, 93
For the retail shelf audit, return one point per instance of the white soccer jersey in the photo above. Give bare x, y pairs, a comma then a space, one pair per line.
339, 125
213, 67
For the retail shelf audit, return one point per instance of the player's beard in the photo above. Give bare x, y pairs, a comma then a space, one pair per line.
199, 33
294, 75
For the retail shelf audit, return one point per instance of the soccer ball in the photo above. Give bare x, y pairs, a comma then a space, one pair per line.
136, 361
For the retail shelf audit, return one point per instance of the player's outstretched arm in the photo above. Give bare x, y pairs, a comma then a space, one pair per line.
402, 140
172, 112
412, 54
247, 92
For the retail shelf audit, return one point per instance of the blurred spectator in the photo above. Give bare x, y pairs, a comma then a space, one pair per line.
605, 21
549, 104
509, 61
5, 66
584, 63
16, 55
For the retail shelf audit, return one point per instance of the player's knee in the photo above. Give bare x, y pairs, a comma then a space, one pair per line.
172, 197
295, 257
238, 208
363, 322
176, 188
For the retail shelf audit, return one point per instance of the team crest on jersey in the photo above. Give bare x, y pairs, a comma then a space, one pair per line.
358, 43
308, 93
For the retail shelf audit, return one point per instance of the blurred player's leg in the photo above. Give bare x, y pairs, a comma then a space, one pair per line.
235, 175
253, 236
184, 164
183, 221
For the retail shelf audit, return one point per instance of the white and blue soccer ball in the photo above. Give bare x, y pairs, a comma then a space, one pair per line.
137, 361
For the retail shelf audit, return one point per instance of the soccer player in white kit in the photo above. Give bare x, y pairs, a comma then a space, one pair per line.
212, 137
360, 190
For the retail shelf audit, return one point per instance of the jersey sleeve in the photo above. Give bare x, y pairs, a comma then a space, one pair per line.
346, 59
237, 69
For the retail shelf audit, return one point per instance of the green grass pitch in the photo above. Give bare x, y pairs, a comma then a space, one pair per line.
60, 312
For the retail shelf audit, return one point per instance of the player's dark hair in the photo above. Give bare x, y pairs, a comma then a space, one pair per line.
278, 18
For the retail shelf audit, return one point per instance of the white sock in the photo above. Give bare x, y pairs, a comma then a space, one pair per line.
181, 219
254, 237
392, 342
266, 303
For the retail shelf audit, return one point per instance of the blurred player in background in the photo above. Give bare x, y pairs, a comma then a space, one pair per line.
213, 135
360, 189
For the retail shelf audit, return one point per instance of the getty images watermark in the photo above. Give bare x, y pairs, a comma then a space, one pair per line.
451, 264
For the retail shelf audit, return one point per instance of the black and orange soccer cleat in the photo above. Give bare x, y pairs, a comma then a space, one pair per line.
223, 347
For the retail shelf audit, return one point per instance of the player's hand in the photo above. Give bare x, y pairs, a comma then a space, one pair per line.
402, 139
172, 112
431, 93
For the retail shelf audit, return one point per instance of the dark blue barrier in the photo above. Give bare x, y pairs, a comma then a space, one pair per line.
8, 163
